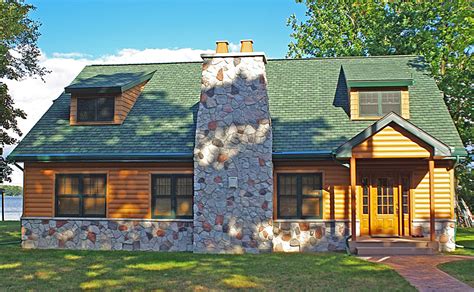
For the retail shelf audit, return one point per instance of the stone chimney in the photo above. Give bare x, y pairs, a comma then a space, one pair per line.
233, 170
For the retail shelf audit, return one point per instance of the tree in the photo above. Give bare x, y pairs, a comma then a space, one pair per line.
19, 56
12, 191
441, 31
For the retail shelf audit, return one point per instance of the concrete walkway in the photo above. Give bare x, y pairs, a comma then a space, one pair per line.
422, 271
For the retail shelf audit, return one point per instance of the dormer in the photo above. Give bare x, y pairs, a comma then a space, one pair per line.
373, 95
105, 99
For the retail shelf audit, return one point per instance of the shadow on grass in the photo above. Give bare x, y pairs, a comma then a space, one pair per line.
61, 269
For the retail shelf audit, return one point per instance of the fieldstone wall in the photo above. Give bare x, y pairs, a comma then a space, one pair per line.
145, 235
307, 236
444, 232
233, 141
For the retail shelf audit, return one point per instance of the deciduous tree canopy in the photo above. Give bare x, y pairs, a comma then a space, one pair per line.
18, 59
442, 32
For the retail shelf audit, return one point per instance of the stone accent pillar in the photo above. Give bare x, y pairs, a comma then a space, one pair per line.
233, 170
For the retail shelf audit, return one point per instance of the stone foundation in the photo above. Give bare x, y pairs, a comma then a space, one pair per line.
177, 235
100, 234
309, 236
444, 232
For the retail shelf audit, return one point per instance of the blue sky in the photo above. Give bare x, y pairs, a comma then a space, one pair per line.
104, 26
78, 33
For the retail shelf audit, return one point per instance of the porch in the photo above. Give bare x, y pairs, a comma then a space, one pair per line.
401, 188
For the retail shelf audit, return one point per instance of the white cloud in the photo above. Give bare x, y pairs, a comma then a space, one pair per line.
35, 96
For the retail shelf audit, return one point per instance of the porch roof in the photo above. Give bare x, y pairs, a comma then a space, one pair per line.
439, 148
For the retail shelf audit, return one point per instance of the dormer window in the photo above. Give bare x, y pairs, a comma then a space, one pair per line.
378, 103
106, 98
95, 109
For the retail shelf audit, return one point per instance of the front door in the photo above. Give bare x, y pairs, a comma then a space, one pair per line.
384, 202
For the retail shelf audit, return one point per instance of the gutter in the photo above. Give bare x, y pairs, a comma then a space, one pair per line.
103, 157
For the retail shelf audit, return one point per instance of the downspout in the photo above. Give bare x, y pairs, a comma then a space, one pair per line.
349, 237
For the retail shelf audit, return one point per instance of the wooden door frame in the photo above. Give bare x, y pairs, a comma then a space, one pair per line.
397, 179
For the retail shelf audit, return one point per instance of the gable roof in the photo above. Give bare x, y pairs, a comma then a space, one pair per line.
308, 98
439, 148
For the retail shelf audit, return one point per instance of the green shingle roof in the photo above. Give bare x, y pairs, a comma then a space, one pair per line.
309, 107
108, 82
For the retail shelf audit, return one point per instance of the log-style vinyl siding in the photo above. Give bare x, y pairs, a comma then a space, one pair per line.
391, 142
128, 185
123, 104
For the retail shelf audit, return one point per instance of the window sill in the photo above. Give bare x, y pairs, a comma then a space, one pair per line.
309, 220
106, 219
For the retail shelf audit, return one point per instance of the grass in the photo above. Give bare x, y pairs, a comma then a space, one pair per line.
65, 270
464, 269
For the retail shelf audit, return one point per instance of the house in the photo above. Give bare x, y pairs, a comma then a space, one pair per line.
238, 153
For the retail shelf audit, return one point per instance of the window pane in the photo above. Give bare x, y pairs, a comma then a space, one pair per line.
68, 206
368, 103
94, 185
287, 185
163, 186
105, 108
288, 206
184, 207
391, 102
311, 207
68, 185
94, 206
311, 184
184, 186
86, 109
162, 207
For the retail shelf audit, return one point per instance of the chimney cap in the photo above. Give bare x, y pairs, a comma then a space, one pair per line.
246, 46
222, 47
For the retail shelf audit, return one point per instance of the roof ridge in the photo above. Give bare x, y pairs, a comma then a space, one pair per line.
344, 57
270, 59
135, 64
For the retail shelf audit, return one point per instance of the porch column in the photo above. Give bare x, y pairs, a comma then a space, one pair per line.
432, 200
353, 198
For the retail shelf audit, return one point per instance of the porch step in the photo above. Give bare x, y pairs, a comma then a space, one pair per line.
393, 246
379, 251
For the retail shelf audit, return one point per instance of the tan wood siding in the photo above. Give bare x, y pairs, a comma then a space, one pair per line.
391, 142
354, 103
128, 185
123, 104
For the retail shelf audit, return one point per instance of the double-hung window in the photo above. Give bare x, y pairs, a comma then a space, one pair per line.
299, 196
379, 103
95, 109
172, 196
81, 195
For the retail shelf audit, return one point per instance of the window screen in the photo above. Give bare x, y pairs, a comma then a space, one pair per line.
172, 196
299, 195
81, 195
95, 109
379, 103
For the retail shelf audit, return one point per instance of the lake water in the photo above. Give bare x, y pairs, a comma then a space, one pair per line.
13, 208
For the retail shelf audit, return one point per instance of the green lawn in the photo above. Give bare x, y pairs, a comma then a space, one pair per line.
60, 269
463, 270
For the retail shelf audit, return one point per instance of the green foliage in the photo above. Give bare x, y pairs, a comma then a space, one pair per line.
441, 31
18, 59
12, 190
